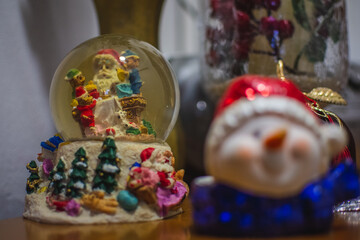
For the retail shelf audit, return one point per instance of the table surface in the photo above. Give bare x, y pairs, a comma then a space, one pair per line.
178, 227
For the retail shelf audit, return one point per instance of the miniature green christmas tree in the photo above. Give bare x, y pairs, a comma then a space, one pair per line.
107, 168
77, 176
33, 181
150, 129
57, 178
132, 130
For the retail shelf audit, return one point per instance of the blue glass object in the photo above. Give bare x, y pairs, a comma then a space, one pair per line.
222, 210
225, 217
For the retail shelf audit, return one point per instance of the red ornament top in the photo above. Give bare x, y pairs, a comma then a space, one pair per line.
251, 86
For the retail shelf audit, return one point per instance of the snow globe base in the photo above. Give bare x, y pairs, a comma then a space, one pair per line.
45, 206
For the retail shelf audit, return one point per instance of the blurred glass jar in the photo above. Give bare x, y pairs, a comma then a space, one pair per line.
249, 36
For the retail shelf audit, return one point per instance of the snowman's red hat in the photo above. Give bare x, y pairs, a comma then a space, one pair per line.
244, 110
252, 96
252, 86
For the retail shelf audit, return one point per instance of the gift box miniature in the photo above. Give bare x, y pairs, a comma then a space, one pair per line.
114, 101
269, 157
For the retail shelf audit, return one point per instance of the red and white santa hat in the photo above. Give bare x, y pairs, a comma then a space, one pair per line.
110, 132
110, 52
250, 96
251, 87
148, 155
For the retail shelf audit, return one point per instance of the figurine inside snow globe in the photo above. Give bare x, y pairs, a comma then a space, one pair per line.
114, 85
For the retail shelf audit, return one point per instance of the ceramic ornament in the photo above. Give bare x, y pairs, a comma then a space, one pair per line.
268, 156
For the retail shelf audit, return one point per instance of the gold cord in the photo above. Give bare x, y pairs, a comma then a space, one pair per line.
324, 113
35, 169
33, 183
280, 70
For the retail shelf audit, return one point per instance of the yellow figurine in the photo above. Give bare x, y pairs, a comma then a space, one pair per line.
95, 201
92, 90
122, 74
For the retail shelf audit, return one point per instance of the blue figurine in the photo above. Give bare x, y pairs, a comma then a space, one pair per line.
52, 143
132, 61
269, 157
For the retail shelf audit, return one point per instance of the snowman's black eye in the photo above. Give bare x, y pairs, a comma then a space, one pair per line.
256, 133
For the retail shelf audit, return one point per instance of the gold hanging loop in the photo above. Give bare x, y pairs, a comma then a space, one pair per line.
280, 69
324, 113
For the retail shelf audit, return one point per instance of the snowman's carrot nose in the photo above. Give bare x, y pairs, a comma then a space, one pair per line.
275, 140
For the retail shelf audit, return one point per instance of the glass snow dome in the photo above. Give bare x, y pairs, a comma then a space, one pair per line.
114, 85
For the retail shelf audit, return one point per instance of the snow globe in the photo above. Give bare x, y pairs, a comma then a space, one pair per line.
115, 67
114, 101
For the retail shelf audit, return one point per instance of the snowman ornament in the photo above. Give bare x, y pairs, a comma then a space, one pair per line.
268, 156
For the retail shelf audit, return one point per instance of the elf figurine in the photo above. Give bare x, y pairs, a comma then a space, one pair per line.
132, 61
84, 111
34, 180
269, 157
76, 79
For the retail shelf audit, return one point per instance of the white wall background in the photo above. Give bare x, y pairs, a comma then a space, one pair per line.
34, 37
353, 10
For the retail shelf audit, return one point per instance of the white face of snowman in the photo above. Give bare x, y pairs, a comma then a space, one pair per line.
272, 154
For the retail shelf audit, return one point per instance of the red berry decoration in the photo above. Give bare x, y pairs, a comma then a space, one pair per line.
272, 4
242, 20
286, 29
222, 8
268, 26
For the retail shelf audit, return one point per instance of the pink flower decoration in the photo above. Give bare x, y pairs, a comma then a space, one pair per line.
168, 198
47, 166
72, 208
149, 177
